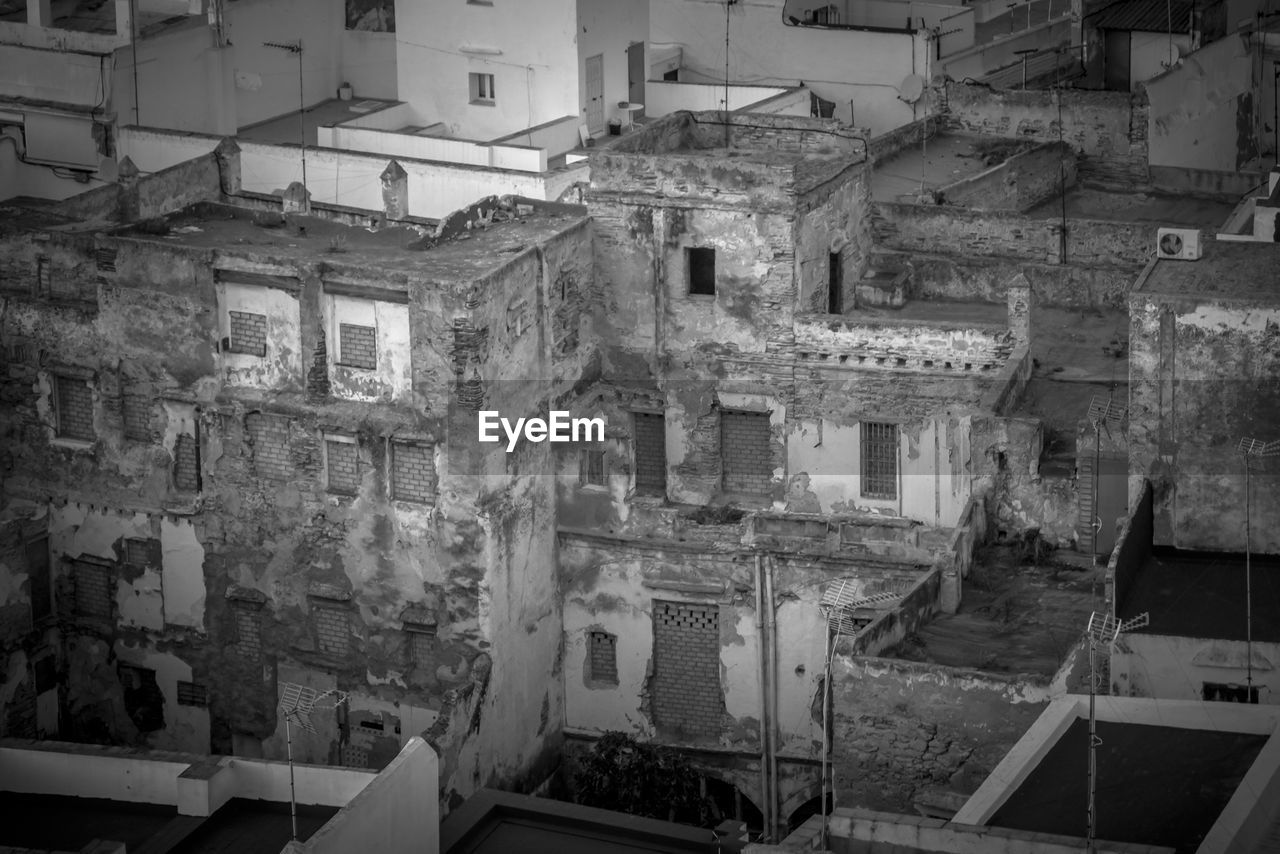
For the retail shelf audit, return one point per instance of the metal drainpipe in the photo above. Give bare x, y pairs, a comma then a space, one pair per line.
764, 694
774, 801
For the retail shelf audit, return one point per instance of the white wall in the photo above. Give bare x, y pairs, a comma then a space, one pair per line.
1193, 108
391, 379
1176, 668
532, 56
843, 66
369, 63
282, 364
607, 28
665, 97
1149, 54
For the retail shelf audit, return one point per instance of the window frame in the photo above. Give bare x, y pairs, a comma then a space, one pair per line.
482, 87
586, 470
647, 490
56, 405
690, 265
868, 458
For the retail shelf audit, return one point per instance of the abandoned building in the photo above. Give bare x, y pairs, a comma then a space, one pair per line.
896, 397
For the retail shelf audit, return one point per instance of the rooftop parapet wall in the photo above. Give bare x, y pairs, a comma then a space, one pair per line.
1018, 184
1108, 128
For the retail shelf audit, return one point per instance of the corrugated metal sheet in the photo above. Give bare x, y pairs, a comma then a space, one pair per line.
1149, 16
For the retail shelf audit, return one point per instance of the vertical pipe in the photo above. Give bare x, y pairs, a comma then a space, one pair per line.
764, 704
302, 117
1248, 592
727, 137
771, 615
293, 797
133, 45
828, 652
1093, 747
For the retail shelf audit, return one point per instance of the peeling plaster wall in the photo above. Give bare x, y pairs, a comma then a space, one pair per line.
281, 366
391, 379
902, 729
1176, 668
1186, 416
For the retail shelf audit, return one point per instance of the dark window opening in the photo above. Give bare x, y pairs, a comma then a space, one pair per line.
835, 284
193, 694
142, 698
1225, 692
879, 460
701, 263
673, 75
40, 579
593, 473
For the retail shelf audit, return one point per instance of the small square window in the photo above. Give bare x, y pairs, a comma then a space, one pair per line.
481, 88
701, 265
592, 471
193, 694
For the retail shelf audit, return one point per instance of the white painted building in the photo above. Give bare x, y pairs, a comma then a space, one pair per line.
487, 68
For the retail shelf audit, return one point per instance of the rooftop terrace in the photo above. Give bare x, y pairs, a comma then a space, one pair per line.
461, 254
287, 127
1226, 270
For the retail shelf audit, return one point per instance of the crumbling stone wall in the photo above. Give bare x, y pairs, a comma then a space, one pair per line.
905, 729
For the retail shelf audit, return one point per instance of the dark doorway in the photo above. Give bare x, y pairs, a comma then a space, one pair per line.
1116, 58
636, 76
835, 284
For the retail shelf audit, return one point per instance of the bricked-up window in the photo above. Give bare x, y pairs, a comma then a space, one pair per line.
413, 473
835, 284
1229, 693
591, 468
745, 455
248, 632
94, 589
333, 629
422, 649
879, 460
342, 465
39, 579
136, 412
247, 333
270, 437
44, 278
143, 699
650, 451
73, 404
193, 694
700, 263
357, 346
186, 463
140, 552
687, 696
602, 657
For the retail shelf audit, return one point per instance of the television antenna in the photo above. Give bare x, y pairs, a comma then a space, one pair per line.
1251, 448
297, 702
1103, 630
837, 605
1102, 413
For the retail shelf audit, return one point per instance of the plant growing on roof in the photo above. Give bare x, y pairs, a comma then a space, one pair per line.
649, 780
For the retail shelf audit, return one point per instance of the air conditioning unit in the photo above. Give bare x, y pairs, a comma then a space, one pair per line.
1179, 244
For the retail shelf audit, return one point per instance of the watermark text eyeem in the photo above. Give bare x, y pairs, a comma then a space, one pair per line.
558, 427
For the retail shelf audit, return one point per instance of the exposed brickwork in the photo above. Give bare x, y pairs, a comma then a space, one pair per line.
650, 453
248, 633
75, 408
413, 473
248, 333
358, 346
193, 694
270, 437
186, 464
342, 463
745, 452
93, 586
686, 668
422, 648
135, 410
333, 629
602, 657
141, 553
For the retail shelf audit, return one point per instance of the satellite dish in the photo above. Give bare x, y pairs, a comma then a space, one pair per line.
911, 88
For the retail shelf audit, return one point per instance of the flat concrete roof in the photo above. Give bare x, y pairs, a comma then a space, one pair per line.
1155, 208
944, 159
1156, 785
287, 127
1198, 595
59, 823
1247, 270
466, 257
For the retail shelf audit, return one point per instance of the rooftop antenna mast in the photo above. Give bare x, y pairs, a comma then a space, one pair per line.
728, 137
296, 49
1102, 413
297, 702
1251, 448
837, 605
1104, 630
